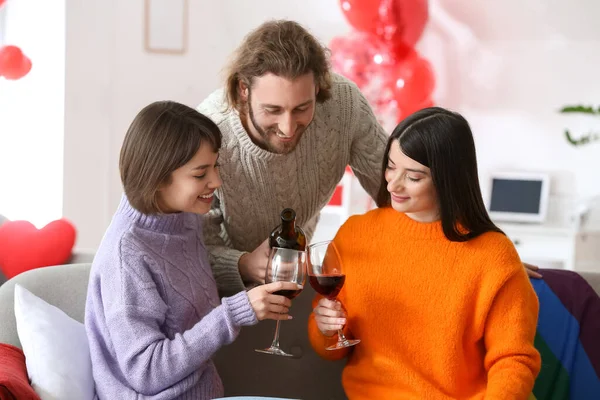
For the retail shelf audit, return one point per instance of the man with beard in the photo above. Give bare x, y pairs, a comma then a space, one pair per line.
290, 127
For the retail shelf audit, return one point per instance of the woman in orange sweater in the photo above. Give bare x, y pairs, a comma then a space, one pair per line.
465, 334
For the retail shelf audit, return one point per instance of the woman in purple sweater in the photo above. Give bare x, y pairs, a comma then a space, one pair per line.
153, 316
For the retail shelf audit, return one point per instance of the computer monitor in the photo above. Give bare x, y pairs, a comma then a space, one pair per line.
519, 196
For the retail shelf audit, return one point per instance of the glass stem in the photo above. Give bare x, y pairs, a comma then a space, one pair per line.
341, 337
276, 338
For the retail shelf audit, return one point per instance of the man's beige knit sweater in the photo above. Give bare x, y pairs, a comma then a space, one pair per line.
258, 184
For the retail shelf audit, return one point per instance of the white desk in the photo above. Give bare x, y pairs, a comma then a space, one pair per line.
575, 249
564, 238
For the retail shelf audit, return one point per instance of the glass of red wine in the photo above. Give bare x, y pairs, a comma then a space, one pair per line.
326, 276
284, 265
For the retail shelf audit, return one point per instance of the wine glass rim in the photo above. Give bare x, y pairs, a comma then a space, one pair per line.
322, 242
287, 249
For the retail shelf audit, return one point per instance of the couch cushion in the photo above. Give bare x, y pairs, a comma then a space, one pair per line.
24, 247
14, 383
56, 349
64, 286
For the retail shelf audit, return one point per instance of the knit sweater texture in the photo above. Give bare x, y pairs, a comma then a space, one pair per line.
437, 319
258, 184
153, 316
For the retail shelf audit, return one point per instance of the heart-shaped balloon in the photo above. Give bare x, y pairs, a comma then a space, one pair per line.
24, 247
13, 63
393, 21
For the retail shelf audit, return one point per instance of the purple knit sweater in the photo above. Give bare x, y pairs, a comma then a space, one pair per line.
153, 317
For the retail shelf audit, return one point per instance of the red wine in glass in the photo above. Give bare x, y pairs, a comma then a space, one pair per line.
326, 275
327, 285
290, 294
284, 265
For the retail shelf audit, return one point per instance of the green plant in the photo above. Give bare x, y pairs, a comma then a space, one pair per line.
586, 138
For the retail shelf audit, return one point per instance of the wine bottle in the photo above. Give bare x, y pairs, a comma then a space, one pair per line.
288, 235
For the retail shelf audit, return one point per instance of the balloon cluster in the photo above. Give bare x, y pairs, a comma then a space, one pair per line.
13, 63
379, 56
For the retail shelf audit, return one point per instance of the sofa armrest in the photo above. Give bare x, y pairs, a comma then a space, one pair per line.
64, 286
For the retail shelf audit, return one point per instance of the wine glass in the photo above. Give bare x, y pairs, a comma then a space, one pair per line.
285, 265
326, 276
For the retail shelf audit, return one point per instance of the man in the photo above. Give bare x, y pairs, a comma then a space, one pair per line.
290, 127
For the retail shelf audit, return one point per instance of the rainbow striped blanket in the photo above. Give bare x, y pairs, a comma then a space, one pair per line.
568, 338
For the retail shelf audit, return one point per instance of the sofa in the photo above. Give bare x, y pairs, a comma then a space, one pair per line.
243, 371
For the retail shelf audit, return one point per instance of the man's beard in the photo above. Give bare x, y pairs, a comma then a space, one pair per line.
267, 134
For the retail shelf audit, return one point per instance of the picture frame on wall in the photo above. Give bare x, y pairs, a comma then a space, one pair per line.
2, 24
166, 26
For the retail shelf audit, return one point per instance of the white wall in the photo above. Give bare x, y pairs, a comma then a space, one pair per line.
507, 65
110, 78
88, 117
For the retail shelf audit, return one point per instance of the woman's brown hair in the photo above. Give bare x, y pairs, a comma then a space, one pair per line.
164, 136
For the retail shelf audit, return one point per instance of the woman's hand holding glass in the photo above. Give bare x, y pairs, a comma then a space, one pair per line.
327, 276
285, 275
330, 316
268, 305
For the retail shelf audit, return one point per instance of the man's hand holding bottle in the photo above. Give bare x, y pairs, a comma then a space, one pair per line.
253, 266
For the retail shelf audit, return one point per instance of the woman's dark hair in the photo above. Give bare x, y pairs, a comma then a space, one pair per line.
442, 141
164, 136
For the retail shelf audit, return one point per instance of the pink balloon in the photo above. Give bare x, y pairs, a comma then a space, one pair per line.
396, 83
354, 55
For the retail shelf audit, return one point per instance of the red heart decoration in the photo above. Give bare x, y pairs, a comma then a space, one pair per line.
24, 247
13, 63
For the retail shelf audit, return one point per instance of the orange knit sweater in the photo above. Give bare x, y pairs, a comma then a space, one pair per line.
437, 319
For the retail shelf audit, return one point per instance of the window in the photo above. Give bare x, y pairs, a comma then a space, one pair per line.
31, 113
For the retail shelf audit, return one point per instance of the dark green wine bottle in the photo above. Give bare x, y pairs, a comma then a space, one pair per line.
288, 235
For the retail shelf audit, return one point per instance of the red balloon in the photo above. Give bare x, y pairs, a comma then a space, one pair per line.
2, 2
13, 63
411, 82
394, 21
